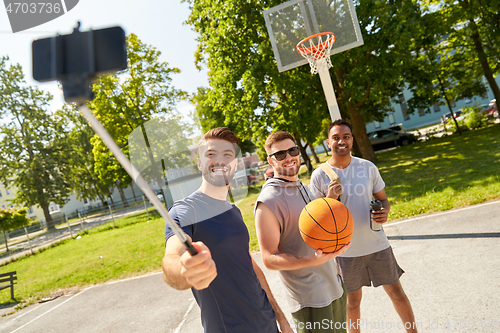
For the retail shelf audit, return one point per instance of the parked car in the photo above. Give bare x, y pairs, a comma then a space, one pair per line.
397, 128
251, 176
492, 110
269, 173
57, 216
387, 138
446, 116
254, 176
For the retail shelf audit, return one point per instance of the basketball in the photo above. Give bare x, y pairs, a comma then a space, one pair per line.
326, 224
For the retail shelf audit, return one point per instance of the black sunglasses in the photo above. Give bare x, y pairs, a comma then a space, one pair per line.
281, 155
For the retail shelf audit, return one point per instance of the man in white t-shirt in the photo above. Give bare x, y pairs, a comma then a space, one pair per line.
369, 260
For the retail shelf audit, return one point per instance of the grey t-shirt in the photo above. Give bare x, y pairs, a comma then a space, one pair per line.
316, 286
359, 181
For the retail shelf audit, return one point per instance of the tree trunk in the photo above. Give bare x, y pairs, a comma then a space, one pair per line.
6, 242
133, 192
355, 149
102, 199
483, 59
303, 152
122, 196
443, 90
359, 133
364, 147
99, 195
324, 147
316, 159
48, 219
112, 202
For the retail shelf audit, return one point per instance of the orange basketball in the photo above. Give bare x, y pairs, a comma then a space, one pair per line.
326, 224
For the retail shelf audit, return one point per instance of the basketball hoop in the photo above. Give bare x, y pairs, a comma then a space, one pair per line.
318, 51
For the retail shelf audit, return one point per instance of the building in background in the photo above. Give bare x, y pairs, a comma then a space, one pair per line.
7, 194
431, 116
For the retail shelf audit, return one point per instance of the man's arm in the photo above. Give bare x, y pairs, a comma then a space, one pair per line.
315, 185
280, 316
183, 271
268, 234
381, 215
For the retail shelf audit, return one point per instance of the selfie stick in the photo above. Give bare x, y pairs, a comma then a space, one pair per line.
135, 175
76, 60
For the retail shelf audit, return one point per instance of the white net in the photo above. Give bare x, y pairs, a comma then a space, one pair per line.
293, 20
317, 52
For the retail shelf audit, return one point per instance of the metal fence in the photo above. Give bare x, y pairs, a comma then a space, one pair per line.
35, 237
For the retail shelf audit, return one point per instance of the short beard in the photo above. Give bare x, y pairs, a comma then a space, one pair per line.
280, 171
217, 181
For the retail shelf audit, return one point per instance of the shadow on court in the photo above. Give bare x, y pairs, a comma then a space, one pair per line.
447, 236
452, 278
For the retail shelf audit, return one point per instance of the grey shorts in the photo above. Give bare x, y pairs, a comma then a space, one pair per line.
377, 269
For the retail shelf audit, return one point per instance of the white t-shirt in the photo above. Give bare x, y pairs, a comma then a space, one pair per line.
359, 181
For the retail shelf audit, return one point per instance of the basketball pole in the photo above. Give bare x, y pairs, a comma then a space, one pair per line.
326, 82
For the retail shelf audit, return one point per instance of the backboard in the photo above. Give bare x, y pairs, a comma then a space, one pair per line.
294, 20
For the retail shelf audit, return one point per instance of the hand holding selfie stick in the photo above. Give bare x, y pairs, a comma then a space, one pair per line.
76, 60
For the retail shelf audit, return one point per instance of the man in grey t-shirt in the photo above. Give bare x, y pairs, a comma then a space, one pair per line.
369, 260
313, 288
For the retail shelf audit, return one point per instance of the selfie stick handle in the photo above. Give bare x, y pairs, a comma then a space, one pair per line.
136, 176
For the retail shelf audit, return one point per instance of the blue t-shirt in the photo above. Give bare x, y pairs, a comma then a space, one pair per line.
234, 301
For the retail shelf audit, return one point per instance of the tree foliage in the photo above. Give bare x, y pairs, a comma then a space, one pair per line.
11, 219
209, 118
449, 75
33, 146
248, 90
126, 100
84, 180
471, 37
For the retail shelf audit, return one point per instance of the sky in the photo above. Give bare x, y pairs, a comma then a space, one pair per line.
157, 23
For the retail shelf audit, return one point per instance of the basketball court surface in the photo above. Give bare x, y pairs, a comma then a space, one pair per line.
452, 279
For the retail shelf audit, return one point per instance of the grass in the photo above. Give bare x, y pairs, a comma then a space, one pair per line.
442, 173
425, 177
101, 254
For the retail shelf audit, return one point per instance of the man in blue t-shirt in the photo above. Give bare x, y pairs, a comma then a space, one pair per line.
228, 285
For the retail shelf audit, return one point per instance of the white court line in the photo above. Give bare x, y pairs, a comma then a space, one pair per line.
113, 282
178, 329
132, 278
443, 213
34, 308
55, 307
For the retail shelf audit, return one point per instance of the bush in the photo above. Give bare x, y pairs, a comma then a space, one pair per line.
450, 123
474, 118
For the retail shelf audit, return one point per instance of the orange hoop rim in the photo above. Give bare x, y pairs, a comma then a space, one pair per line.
315, 48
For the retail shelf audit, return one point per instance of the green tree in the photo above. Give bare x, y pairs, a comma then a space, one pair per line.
473, 34
32, 144
248, 90
209, 118
11, 219
84, 180
126, 100
449, 75
323, 135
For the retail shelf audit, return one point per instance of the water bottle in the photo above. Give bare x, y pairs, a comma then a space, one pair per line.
374, 206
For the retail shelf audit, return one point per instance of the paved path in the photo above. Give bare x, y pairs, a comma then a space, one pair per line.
452, 279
